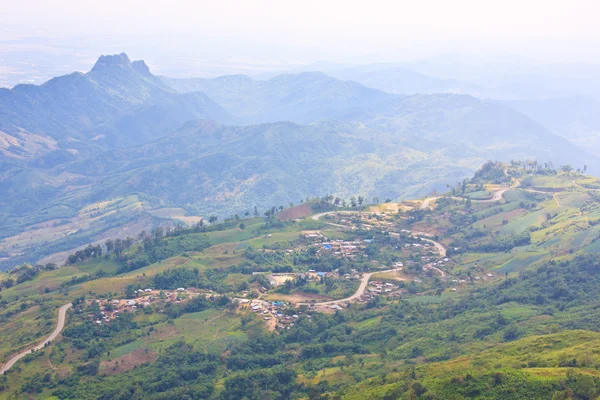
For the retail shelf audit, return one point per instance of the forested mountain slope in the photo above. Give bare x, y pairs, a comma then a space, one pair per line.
118, 102
303, 98
575, 118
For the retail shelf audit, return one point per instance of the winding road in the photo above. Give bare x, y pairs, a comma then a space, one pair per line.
62, 313
366, 277
317, 217
361, 289
496, 196
439, 246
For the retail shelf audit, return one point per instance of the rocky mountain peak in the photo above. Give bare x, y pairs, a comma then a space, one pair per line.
112, 61
141, 67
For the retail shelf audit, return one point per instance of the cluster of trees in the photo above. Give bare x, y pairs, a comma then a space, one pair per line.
24, 273
118, 246
491, 243
546, 168
214, 279
85, 254
181, 372
491, 171
159, 247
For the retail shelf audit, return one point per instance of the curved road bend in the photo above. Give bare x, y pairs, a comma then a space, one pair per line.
317, 217
62, 313
496, 196
361, 289
439, 246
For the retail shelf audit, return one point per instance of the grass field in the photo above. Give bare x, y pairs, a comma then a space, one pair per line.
51, 280
478, 195
520, 225
205, 327
521, 261
496, 220
178, 214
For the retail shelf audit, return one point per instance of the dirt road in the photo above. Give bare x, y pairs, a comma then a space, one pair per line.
439, 271
496, 196
361, 289
62, 313
317, 217
437, 245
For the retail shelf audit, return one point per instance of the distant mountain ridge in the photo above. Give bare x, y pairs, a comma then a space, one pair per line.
118, 130
413, 146
302, 98
575, 118
401, 80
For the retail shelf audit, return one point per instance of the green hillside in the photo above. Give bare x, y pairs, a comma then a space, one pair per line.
244, 308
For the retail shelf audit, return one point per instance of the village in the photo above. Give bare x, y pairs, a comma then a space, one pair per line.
421, 257
111, 309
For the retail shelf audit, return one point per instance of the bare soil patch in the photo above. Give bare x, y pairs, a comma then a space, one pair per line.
296, 297
301, 211
128, 361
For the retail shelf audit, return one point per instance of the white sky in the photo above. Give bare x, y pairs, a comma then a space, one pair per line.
548, 30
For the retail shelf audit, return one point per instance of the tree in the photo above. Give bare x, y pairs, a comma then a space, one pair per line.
566, 168
110, 246
360, 201
242, 226
511, 333
158, 232
353, 202
212, 219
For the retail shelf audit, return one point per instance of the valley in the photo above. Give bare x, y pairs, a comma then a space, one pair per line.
184, 150
375, 300
275, 200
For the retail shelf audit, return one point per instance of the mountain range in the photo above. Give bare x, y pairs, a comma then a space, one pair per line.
576, 118
228, 144
117, 103
303, 98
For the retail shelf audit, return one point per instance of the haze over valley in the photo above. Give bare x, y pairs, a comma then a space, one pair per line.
317, 200
225, 145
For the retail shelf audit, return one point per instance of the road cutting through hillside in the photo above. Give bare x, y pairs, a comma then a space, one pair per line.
361, 289
62, 313
496, 196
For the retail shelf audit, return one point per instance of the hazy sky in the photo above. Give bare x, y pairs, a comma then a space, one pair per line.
215, 37
340, 26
